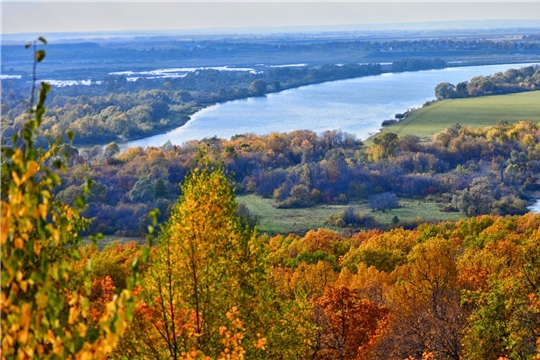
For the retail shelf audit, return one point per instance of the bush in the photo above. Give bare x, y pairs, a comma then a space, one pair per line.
388, 122
350, 218
383, 201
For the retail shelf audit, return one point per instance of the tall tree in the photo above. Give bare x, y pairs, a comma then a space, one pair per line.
208, 262
42, 317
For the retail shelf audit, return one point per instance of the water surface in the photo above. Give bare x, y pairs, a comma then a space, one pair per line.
536, 207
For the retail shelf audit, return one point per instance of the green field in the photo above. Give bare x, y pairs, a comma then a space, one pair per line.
474, 112
283, 221
109, 239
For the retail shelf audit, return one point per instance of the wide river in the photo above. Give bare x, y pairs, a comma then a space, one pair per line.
357, 106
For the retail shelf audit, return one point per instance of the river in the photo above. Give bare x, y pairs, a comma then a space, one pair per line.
357, 106
536, 207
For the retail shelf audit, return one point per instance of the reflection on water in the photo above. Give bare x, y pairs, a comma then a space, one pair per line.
357, 106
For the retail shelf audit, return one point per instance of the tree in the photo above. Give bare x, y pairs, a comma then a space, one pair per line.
384, 146
68, 152
42, 317
143, 190
444, 90
426, 307
384, 201
476, 199
111, 150
161, 190
208, 262
505, 318
347, 323
258, 87
461, 89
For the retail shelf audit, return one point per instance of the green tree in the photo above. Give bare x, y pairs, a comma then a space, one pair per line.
384, 146
475, 200
258, 87
111, 150
143, 190
444, 90
161, 190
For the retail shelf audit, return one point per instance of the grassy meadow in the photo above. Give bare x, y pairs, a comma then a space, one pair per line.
474, 112
301, 220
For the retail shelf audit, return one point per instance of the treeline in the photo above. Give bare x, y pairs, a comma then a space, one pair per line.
119, 109
279, 50
474, 171
415, 64
511, 81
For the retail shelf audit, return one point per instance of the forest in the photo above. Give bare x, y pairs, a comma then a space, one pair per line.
213, 288
489, 170
207, 285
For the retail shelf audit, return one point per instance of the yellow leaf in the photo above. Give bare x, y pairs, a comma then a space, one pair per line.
23, 336
18, 243
82, 329
73, 315
41, 301
16, 178
32, 168
43, 211
51, 337
26, 315
73, 299
37, 247
55, 235
39, 349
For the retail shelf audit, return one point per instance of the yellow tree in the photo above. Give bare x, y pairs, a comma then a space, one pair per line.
42, 317
207, 263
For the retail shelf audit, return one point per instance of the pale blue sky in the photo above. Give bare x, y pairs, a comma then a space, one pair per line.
75, 16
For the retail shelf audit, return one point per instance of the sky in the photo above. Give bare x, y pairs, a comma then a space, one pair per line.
76, 16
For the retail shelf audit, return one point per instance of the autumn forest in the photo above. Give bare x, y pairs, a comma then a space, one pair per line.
195, 276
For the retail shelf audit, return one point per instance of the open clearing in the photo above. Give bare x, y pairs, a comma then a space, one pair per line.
475, 112
301, 220
109, 239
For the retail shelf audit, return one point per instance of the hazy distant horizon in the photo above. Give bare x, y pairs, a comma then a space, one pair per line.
312, 29
263, 17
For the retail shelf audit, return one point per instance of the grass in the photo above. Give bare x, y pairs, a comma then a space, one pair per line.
475, 112
301, 220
